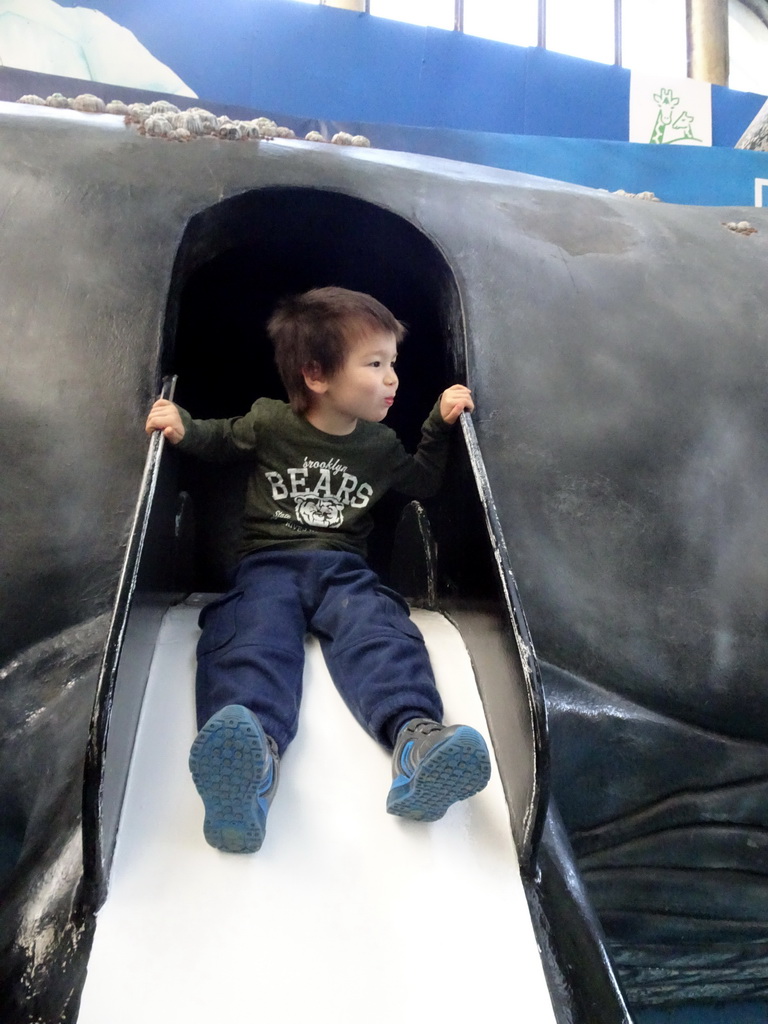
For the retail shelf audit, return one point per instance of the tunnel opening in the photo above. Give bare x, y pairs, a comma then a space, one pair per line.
235, 261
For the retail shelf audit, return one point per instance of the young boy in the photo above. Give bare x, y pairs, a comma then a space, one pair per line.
318, 466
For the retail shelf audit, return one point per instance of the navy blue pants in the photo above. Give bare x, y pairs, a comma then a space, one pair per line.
251, 651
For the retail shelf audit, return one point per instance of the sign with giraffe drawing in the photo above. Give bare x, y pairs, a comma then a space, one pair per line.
670, 111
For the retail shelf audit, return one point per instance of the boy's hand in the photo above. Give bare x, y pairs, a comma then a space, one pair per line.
164, 416
454, 401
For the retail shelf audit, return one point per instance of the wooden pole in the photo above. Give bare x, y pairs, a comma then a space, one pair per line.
707, 24
348, 5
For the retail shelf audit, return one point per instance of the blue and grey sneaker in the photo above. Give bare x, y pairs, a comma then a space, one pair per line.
235, 768
434, 766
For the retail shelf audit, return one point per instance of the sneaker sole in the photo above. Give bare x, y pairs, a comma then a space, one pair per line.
227, 763
452, 771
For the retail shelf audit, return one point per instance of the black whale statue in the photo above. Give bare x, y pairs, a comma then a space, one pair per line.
617, 350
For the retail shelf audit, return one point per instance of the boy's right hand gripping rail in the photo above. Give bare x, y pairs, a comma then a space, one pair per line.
121, 683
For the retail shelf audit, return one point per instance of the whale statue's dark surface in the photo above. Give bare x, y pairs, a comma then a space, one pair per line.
617, 350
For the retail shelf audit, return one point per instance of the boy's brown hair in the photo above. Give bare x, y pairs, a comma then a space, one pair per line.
316, 330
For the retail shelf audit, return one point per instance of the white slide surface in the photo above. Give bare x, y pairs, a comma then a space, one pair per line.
346, 914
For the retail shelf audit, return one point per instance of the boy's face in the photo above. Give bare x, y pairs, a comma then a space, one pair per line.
365, 386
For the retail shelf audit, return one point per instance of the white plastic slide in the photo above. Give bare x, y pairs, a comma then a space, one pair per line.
346, 914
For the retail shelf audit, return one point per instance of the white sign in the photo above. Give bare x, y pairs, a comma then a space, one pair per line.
669, 111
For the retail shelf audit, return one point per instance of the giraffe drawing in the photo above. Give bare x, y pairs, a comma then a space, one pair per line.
683, 125
666, 102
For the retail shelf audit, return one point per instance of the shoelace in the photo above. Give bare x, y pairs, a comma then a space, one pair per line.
425, 727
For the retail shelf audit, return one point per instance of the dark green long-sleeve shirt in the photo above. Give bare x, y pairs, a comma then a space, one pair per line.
309, 489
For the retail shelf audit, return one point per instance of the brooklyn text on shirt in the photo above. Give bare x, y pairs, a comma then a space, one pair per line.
332, 464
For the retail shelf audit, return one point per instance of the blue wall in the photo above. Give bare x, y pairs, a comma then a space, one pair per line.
695, 175
441, 94
322, 62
